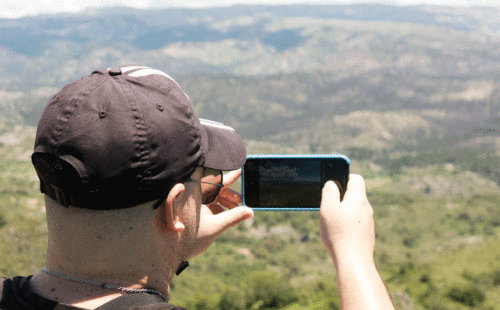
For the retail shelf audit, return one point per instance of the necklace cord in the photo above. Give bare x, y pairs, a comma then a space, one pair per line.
124, 290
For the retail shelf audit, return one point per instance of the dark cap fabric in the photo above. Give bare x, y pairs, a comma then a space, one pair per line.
124, 136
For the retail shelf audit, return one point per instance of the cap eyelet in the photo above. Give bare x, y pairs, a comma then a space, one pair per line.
115, 71
160, 107
103, 114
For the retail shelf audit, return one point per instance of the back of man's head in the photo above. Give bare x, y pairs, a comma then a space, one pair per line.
124, 136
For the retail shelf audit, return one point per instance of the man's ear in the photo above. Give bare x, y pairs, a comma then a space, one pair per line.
168, 210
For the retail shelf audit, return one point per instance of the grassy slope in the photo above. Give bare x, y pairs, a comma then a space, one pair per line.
427, 219
23, 236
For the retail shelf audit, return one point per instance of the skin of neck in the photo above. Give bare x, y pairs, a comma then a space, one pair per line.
136, 247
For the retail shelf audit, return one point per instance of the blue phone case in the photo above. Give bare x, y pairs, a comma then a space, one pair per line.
267, 156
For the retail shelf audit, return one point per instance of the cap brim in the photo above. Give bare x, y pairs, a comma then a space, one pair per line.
224, 148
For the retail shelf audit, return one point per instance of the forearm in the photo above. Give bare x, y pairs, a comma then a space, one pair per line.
360, 286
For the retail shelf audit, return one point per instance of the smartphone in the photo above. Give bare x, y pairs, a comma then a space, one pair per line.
291, 182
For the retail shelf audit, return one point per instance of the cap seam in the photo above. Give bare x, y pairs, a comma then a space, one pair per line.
141, 131
66, 114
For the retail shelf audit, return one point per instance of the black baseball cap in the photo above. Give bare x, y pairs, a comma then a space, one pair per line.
124, 136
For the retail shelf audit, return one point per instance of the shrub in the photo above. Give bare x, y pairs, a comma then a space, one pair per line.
273, 290
232, 299
468, 295
327, 295
496, 277
409, 242
203, 302
425, 278
3, 222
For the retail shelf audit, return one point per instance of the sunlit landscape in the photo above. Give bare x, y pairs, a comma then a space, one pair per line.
410, 94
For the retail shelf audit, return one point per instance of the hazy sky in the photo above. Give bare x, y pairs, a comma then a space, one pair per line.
18, 8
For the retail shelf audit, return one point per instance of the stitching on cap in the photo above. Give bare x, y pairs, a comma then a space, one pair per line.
141, 131
68, 109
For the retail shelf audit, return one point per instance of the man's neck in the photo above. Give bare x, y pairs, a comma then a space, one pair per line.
116, 248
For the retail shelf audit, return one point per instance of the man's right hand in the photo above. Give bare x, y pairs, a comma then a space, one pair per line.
348, 233
347, 227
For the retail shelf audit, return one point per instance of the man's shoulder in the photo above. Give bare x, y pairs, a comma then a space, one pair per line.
6, 286
9, 300
17, 294
7, 295
4, 281
159, 306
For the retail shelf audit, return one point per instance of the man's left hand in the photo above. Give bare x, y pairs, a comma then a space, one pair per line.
221, 214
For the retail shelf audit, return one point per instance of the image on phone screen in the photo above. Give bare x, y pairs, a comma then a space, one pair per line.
291, 182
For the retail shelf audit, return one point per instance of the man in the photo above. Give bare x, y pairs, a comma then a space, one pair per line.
134, 188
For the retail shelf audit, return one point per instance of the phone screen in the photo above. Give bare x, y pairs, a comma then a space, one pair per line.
291, 182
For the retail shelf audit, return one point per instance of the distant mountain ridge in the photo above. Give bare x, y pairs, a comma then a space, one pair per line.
284, 73
244, 40
153, 29
192, 25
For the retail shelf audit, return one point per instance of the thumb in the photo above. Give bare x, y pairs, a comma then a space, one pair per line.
330, 195
231, 217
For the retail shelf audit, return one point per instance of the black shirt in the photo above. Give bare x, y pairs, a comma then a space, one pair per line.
17, 294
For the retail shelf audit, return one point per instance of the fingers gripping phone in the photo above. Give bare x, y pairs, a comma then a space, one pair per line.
291, 182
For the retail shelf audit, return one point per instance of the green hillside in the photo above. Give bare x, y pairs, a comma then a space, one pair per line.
437, 231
